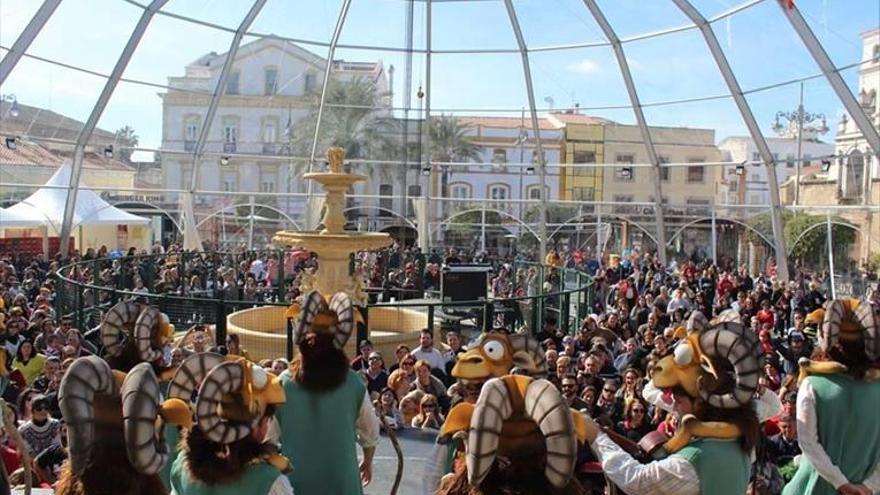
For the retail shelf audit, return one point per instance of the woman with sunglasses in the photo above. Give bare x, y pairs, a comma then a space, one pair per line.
635, 424
429, 414
41, 431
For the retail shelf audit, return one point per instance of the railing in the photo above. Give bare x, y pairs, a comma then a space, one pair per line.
86, 289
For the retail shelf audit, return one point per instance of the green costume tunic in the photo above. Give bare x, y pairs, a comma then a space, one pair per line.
722, 466
318, 435
257, 479
849, 432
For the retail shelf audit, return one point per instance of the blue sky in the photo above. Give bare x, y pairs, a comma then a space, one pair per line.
762, 48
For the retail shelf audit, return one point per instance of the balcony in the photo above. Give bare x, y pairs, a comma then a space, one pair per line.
270, 149
189, 145
229, 147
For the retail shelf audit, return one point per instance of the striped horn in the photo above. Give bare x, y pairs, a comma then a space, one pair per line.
140, 407
829, 332
85, 378
190, 374
527, 355
114, 326
313, 304
144, 328
731, 342
341, 304
868, 320
545, 405
492, 409
224, 379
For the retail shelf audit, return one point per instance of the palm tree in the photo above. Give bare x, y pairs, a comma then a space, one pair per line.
449, 142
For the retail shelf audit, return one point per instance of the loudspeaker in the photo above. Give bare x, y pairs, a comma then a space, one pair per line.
460, 283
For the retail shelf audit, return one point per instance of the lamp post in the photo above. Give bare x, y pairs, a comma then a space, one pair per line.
800, 124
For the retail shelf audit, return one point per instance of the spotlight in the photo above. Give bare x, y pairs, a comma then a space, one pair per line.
108, 152
626, 173
530, 170
426, 170
11, 142
224, 160
741, 169
13, 110
826, 165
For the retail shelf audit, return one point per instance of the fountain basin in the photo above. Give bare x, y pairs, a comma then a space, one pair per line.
263, 331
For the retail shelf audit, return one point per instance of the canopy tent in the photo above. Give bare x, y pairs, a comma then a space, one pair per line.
14, 220
46, 206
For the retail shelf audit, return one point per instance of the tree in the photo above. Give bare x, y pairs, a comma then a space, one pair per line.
126, 138
449, 142
810, 248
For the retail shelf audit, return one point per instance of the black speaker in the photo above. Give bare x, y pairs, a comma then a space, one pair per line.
460, 283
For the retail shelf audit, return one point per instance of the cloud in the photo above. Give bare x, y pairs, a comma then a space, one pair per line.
585, 66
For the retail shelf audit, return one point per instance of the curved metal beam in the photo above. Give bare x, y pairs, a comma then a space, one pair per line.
220, 88
703, 219
26, 38
610, 215
640, 119
153, 207
276, 210
822, 224
371, 207
502, 213
328, 67
86, 132
754, 130
530, 91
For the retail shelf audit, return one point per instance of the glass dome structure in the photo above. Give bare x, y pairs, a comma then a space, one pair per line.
743, 129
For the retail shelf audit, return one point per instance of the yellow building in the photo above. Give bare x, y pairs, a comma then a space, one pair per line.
583, 143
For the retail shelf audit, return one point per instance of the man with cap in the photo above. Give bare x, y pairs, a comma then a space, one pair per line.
362, 362
796, 349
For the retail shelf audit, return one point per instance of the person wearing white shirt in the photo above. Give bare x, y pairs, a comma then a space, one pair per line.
426, 352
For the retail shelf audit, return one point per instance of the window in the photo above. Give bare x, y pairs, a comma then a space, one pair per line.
386, 203
623, 208
733, 185
268, 178
806, 160
230, 182
625, 174
190, 133
498, 192
695, 204
499, 155
664, 171
583, 157
582, 193
412, 192
696, 174
460, 191
270, 86
309, 82
535, 158
789, 160
876, 56
230, 133
534, 192
756, 157
232, 83
269, 135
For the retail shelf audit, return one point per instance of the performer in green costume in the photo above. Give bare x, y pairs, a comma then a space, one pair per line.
224, 453
837, 403
328, 410
713, 377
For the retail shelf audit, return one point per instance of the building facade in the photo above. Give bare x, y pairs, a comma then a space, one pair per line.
269, 92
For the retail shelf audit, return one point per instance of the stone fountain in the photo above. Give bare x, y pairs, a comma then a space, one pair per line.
262, 330
334, 245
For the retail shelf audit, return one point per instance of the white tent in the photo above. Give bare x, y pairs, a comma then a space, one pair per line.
46, 206
13, 220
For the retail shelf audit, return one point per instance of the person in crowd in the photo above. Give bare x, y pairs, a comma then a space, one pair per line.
427, 383
570, 393
429, 416
41, 431
400, 352
783, 448
28, 361
386, 405
410, 405
635, 423
362, 361
233, 347
376, 376
427, 353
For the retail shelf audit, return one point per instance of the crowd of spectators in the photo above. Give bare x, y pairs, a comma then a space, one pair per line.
600, 365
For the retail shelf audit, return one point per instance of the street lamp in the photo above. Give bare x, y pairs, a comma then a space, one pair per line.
799, 123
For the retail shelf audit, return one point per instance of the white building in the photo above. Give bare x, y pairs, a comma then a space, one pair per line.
509, 149
269, 91
752, 186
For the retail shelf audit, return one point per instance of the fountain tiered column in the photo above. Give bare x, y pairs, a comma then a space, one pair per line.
334, 245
